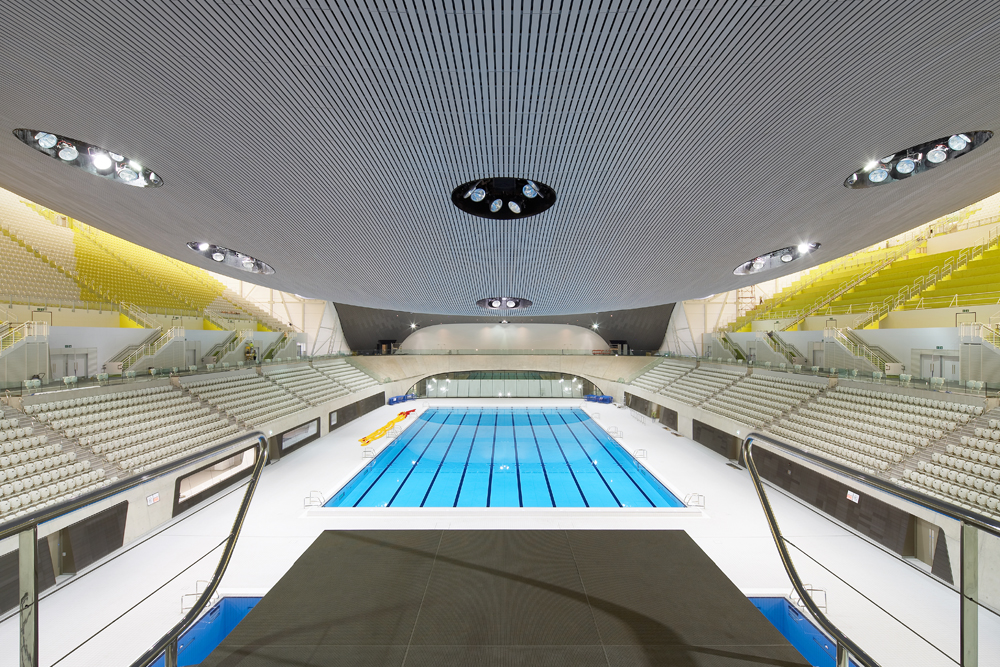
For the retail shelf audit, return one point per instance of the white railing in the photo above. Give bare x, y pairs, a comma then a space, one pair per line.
241, 336
139, 316
856, 348
149, 350
988, 333
15, 334
276, 346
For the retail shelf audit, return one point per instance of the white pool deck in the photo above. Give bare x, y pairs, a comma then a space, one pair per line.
111, 612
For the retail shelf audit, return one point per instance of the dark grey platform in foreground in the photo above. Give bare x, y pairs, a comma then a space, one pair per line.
469, 597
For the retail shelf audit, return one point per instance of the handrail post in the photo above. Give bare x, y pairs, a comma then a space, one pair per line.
170, 654
843, 656
970, 594
28, 596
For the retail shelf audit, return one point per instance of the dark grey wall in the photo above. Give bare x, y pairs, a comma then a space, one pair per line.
643, 328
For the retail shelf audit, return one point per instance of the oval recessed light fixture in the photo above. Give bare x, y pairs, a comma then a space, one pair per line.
503, 303
918, 159
523, 197
231, 258
92, 159
776, 258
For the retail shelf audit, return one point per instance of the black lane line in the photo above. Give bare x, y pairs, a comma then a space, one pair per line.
517, 464
598, 438
598, 470
541, 459
438, 471
398, 454
493, 452
566, 459
414, 465
467, 457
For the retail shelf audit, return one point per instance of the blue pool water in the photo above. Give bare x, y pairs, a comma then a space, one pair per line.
504, 457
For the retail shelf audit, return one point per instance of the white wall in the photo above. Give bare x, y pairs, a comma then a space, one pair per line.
959, 240
504, 337
317, 318
692, 319
108, 341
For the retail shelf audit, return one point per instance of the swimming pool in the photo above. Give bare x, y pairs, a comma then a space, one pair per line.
504, 457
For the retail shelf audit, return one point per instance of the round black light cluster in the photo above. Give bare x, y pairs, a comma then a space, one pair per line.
916, 160
231, 258
504, 197
92, 159
775, 259
503, 303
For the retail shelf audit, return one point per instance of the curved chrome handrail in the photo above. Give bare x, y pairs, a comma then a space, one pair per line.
845, 646
168, 643
26, 527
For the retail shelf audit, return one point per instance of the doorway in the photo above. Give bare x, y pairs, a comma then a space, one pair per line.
41, 316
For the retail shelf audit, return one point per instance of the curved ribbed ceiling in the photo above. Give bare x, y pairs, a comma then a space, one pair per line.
325, 138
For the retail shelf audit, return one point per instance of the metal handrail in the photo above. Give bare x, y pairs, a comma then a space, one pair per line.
27, 527
846, 647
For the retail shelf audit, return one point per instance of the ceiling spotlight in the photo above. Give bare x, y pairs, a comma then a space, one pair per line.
937, 154
413, 325
775, 258
503, 322
594, 326
127, 174
878, 175
510, 302
46, 140
101, 160
231, 258
499, 192
68, 152
917, 159
957, 142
